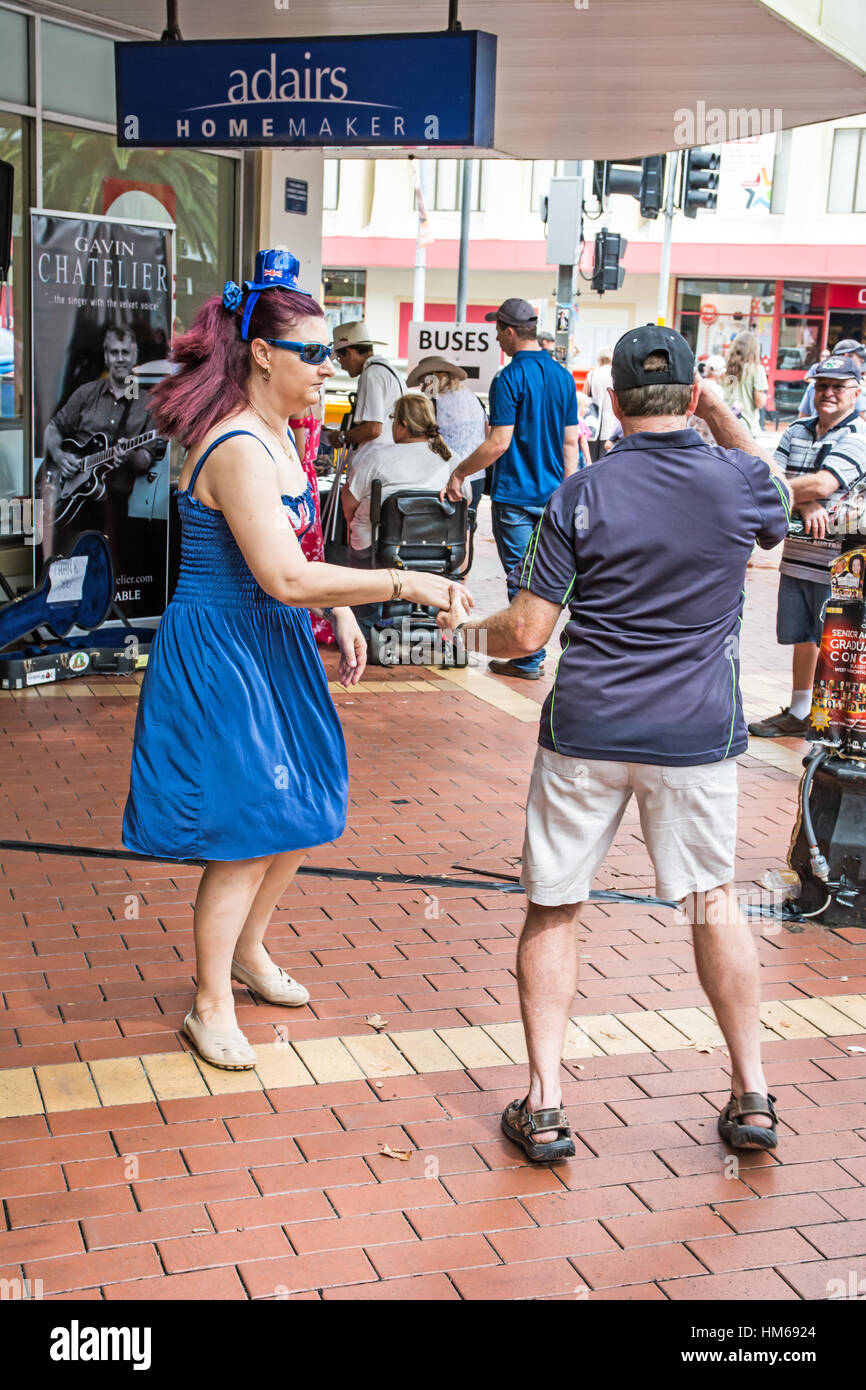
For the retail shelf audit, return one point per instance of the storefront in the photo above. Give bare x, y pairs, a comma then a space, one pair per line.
793, 322
57, 130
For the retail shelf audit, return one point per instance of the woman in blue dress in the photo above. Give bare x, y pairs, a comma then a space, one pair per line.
239, 758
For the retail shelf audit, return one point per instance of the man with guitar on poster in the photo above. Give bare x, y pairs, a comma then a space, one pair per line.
96, 445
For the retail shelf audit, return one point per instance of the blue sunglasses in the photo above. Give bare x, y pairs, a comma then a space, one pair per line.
311, 353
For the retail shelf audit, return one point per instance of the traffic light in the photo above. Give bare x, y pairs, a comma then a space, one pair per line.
652, 185
639, 178
607, 273
700, 182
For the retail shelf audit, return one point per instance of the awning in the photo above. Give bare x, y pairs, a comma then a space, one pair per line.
606, 81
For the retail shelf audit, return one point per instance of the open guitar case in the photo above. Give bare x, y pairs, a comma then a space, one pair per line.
74, 591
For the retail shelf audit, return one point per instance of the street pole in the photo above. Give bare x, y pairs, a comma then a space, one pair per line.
463, 262
564, 314
665, 268
419, 289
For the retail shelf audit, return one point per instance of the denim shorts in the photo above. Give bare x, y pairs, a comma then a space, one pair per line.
799, 611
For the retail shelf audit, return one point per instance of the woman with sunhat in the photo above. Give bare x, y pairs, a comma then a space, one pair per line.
460, 415
239, 759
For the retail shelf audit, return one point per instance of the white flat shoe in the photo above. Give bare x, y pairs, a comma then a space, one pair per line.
230, 1051
276, 988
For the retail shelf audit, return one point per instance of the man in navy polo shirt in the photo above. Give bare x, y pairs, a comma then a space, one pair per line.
648, 550
533, 445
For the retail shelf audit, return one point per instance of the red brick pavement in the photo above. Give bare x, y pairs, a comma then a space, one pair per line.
285, 1192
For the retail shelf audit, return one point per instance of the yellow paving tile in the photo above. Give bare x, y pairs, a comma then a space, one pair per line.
510, 1037
822, 1013
492, 691
425, 1051
656, 1032
474, 1047
279, 1065
785, 759
854, 1005
696, 1025
221, 1082
19, 1094
764, 1034
609, 1034
121, 1080
784, 1022
328, 1060
67, 1086
376, 1055
174, 1075
577, 1044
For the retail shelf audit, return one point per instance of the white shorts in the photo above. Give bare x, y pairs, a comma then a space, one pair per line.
688, 816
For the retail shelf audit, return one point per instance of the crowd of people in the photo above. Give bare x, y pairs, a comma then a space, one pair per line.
239, 759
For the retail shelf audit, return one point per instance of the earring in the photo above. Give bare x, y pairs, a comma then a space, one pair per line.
266, 373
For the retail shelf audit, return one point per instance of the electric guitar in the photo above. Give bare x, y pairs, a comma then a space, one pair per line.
97, 458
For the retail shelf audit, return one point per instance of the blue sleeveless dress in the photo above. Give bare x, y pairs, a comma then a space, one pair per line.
238, 748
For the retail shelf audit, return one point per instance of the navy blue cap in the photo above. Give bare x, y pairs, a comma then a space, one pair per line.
839, 368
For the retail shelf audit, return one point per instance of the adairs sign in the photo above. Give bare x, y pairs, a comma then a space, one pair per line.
366, 90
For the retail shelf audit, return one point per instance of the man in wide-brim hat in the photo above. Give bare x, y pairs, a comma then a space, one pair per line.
379, 386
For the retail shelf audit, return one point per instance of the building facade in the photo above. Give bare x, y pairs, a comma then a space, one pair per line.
782, 256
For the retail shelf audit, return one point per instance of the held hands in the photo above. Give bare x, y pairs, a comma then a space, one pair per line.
457, 614
353, 648
434, 591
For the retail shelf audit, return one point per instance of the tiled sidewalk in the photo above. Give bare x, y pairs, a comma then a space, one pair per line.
129, 1171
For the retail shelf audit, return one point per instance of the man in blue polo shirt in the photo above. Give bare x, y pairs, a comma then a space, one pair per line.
533, 444
648, 550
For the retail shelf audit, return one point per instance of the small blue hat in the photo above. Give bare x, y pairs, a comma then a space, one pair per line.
274, 270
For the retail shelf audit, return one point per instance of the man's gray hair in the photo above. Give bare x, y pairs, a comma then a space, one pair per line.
665, 399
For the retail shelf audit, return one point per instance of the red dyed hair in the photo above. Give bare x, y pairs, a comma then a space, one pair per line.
214, 362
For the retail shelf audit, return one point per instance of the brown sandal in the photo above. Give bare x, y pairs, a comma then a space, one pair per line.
741, 1136
519, 1125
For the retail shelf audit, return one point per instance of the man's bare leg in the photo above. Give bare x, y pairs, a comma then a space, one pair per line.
727, 963
805, 661
547, 972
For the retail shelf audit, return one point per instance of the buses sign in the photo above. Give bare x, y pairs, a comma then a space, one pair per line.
472, 346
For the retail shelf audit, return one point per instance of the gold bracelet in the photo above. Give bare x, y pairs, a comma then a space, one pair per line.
397, 582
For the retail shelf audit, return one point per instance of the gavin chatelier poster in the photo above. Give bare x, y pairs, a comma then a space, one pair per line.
102, 311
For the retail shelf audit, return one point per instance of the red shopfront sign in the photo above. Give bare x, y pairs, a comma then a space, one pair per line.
848, 297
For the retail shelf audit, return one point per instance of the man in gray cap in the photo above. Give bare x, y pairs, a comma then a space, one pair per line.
823, 458
379, 386
532, 446
848, 347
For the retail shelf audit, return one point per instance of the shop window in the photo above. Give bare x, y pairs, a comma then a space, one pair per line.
710, 313
799, 343
14, 66
331, 185
77, 73
84, 171
847, 189
781, 171
448, 184
344, 294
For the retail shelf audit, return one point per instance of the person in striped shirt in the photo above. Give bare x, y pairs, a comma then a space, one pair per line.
823, 458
